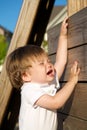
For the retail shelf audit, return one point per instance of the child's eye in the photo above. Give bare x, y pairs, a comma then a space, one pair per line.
41, 63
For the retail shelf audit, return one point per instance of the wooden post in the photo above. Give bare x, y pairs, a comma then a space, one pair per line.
32, 14
75, 6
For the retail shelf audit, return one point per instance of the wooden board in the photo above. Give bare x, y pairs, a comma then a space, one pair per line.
66, 122
53, 35
75, 5
76, 106
12, 113
79, 54
77, 32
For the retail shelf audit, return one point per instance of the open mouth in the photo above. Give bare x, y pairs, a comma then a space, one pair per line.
49, 72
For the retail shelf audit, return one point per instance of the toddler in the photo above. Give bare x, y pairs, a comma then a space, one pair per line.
30, 69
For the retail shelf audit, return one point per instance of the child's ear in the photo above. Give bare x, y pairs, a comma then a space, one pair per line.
26, 77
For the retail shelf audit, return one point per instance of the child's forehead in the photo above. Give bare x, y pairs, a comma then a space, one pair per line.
39, 57
42, 57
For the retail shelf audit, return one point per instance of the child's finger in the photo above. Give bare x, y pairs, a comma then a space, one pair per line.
65, 20
65, 23
74, 67
77, 67
78, 71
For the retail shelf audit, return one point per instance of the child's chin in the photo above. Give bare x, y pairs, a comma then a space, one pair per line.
51, 78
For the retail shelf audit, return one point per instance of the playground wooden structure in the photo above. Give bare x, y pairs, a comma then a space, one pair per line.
30, 29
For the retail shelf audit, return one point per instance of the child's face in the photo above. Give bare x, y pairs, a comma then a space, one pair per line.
42, 71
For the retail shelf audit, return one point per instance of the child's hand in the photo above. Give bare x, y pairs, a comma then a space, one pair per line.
63, 31
75, 70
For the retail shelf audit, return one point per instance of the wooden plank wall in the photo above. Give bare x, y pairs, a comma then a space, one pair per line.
30, 29
73, 116
75, 6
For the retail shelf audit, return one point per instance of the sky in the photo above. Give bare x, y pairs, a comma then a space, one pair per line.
10, 10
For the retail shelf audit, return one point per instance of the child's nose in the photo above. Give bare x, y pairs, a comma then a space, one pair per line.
49, 65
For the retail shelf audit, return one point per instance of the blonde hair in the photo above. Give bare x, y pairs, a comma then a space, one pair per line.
21, 59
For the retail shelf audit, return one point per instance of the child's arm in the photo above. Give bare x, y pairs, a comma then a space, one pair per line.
61, 56
57, 101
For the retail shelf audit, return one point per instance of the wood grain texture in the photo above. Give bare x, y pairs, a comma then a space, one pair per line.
76, 54
76, 106
53, 35
77, 32
66, 122
12, 114
75, 5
